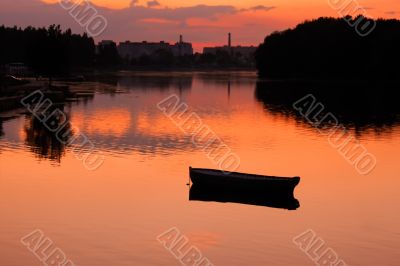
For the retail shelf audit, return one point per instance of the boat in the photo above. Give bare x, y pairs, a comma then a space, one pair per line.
255, 198
211, 178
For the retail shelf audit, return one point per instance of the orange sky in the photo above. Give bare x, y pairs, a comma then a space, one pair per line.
202, 22
318, 4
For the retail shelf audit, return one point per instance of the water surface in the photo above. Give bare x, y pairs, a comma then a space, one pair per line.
113, 215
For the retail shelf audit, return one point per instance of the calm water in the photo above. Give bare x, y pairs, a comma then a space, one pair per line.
112, 216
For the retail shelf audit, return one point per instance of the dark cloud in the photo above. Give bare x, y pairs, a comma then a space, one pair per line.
258, 8
133, 22
261, 8
153, 3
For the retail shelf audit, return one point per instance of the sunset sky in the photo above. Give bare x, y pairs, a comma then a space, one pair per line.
202, 22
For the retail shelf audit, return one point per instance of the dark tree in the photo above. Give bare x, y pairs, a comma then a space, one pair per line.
108, 55
163, 57
330, 48
144, 60
223, 58
48, 52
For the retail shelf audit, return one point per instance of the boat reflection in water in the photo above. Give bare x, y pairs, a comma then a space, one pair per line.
258, 198
268, 191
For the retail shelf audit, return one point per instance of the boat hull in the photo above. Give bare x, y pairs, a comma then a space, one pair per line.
242, 182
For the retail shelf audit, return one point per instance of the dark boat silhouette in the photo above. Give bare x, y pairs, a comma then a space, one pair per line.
218, 178
256, 198
220, 186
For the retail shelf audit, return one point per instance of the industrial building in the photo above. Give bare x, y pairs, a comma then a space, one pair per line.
133, 50
244, 51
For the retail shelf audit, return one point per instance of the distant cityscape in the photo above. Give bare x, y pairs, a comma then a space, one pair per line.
128, 50
52, 52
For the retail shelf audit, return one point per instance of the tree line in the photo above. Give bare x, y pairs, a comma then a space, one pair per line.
328, 48
53, 52
165, 58
46, 51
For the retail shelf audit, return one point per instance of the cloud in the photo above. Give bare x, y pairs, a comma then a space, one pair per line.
133, 3
199, 23
261, 8
153, 3
44, 14
258, 8
392, 12
159, 21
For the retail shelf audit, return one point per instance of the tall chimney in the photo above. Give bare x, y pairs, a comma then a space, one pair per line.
229, 40
180, 39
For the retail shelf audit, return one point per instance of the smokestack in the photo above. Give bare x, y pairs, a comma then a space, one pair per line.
180, 39
229, 40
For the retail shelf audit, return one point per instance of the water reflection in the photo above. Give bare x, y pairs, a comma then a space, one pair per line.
257, 198
153, 81
141, 183
121, 117
45, 143
361, 106
1, 128
223, 78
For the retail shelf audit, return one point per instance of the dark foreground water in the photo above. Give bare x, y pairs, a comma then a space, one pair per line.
114, 214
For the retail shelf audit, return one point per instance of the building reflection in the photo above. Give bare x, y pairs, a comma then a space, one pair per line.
160, 82
129, 121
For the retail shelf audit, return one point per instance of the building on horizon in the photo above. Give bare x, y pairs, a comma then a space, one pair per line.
237, 51
134, 50
106, 43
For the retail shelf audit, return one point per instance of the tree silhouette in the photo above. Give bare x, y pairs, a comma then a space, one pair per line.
108, 55
48, 52
330, 48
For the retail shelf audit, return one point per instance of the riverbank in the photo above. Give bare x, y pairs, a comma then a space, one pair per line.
58, 92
